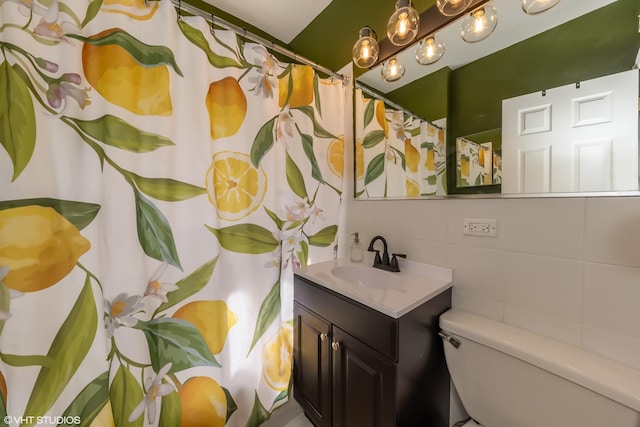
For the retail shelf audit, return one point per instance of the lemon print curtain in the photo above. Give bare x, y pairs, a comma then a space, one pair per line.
396, 154
158, 184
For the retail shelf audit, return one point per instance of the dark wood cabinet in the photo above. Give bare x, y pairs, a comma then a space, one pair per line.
355, 366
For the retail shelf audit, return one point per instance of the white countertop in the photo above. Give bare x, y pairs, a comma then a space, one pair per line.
415, 284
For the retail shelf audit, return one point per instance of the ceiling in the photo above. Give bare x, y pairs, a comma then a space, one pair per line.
324, 31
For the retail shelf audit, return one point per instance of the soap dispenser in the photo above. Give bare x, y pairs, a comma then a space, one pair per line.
356, 252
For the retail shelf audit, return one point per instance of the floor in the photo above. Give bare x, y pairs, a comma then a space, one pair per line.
289, 415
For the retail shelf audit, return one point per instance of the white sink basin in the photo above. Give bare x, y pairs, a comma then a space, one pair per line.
367, 276
393, 294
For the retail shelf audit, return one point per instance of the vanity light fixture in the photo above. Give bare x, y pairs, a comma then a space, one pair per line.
365, 51
532, 7
429, 50
392, 70
479, 24
402, 27
452, 7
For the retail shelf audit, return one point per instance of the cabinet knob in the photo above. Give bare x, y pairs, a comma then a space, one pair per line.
335, 346
323, 336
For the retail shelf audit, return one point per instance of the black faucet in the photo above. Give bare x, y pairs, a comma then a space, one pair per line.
383, 262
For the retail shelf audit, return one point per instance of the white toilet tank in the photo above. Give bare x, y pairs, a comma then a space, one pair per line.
509, 377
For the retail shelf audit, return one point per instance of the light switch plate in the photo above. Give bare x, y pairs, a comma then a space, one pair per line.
484, 227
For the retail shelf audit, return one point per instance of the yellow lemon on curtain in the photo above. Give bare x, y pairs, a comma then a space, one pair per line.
276, 358
104, 417
234, 186
301, 89
464, 166
481, 157
212, 318
204, 403
430, 163
382, 118
136, 9
413, 189
335, 156
39, 246
227, 107
359, 159
121, 80
412, 156
3, 389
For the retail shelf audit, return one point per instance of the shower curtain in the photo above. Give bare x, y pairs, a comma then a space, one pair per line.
159, 182
397, 154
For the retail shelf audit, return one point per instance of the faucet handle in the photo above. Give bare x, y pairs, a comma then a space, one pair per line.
377, 259
394, 260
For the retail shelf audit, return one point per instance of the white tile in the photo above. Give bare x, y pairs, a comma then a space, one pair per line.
424, 251
612, 299
478, 305
547, 226
612, 345
478, 271
546, 285
612, 230
552, 327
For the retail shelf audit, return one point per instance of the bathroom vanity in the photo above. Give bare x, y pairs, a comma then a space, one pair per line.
366, 345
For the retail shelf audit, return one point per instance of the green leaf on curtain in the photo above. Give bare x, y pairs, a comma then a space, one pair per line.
374, 169
316, 93
432, 179
17, 118
413, 132
68, 349
303, 254
368, 113
79, 214
403, 159
175, 341
197, 38
89, 402
295, 178
92, 11
373, 138
318, 130
170, 410
246, 238
324, 237
21, 360
258, 414
154, 232
115, 132
143, 53
279, 223
166, 189
3, 412
190, 285
263, 142
269, 310
281, 76
231, 404
307, 146
125, 394
428, 145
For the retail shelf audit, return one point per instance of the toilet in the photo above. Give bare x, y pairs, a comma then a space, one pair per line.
509, 377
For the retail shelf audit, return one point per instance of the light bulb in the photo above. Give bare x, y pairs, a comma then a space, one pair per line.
365, 51
479, 24
392, 70
532, 7
402, 27
452, 7
429, 51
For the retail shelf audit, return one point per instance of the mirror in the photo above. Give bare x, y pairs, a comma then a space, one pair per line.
466, 100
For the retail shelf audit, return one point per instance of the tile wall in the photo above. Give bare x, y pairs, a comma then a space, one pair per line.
567, 268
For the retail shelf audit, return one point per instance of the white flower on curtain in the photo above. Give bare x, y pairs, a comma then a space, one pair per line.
171, 199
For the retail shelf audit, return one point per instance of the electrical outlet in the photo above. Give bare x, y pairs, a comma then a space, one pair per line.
485, 227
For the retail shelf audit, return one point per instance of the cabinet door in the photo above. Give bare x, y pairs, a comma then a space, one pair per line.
363, 384
311, 372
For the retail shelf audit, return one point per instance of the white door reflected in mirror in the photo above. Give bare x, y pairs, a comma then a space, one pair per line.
576, 138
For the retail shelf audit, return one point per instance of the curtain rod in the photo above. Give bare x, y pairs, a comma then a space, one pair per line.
214, 20
390, 103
